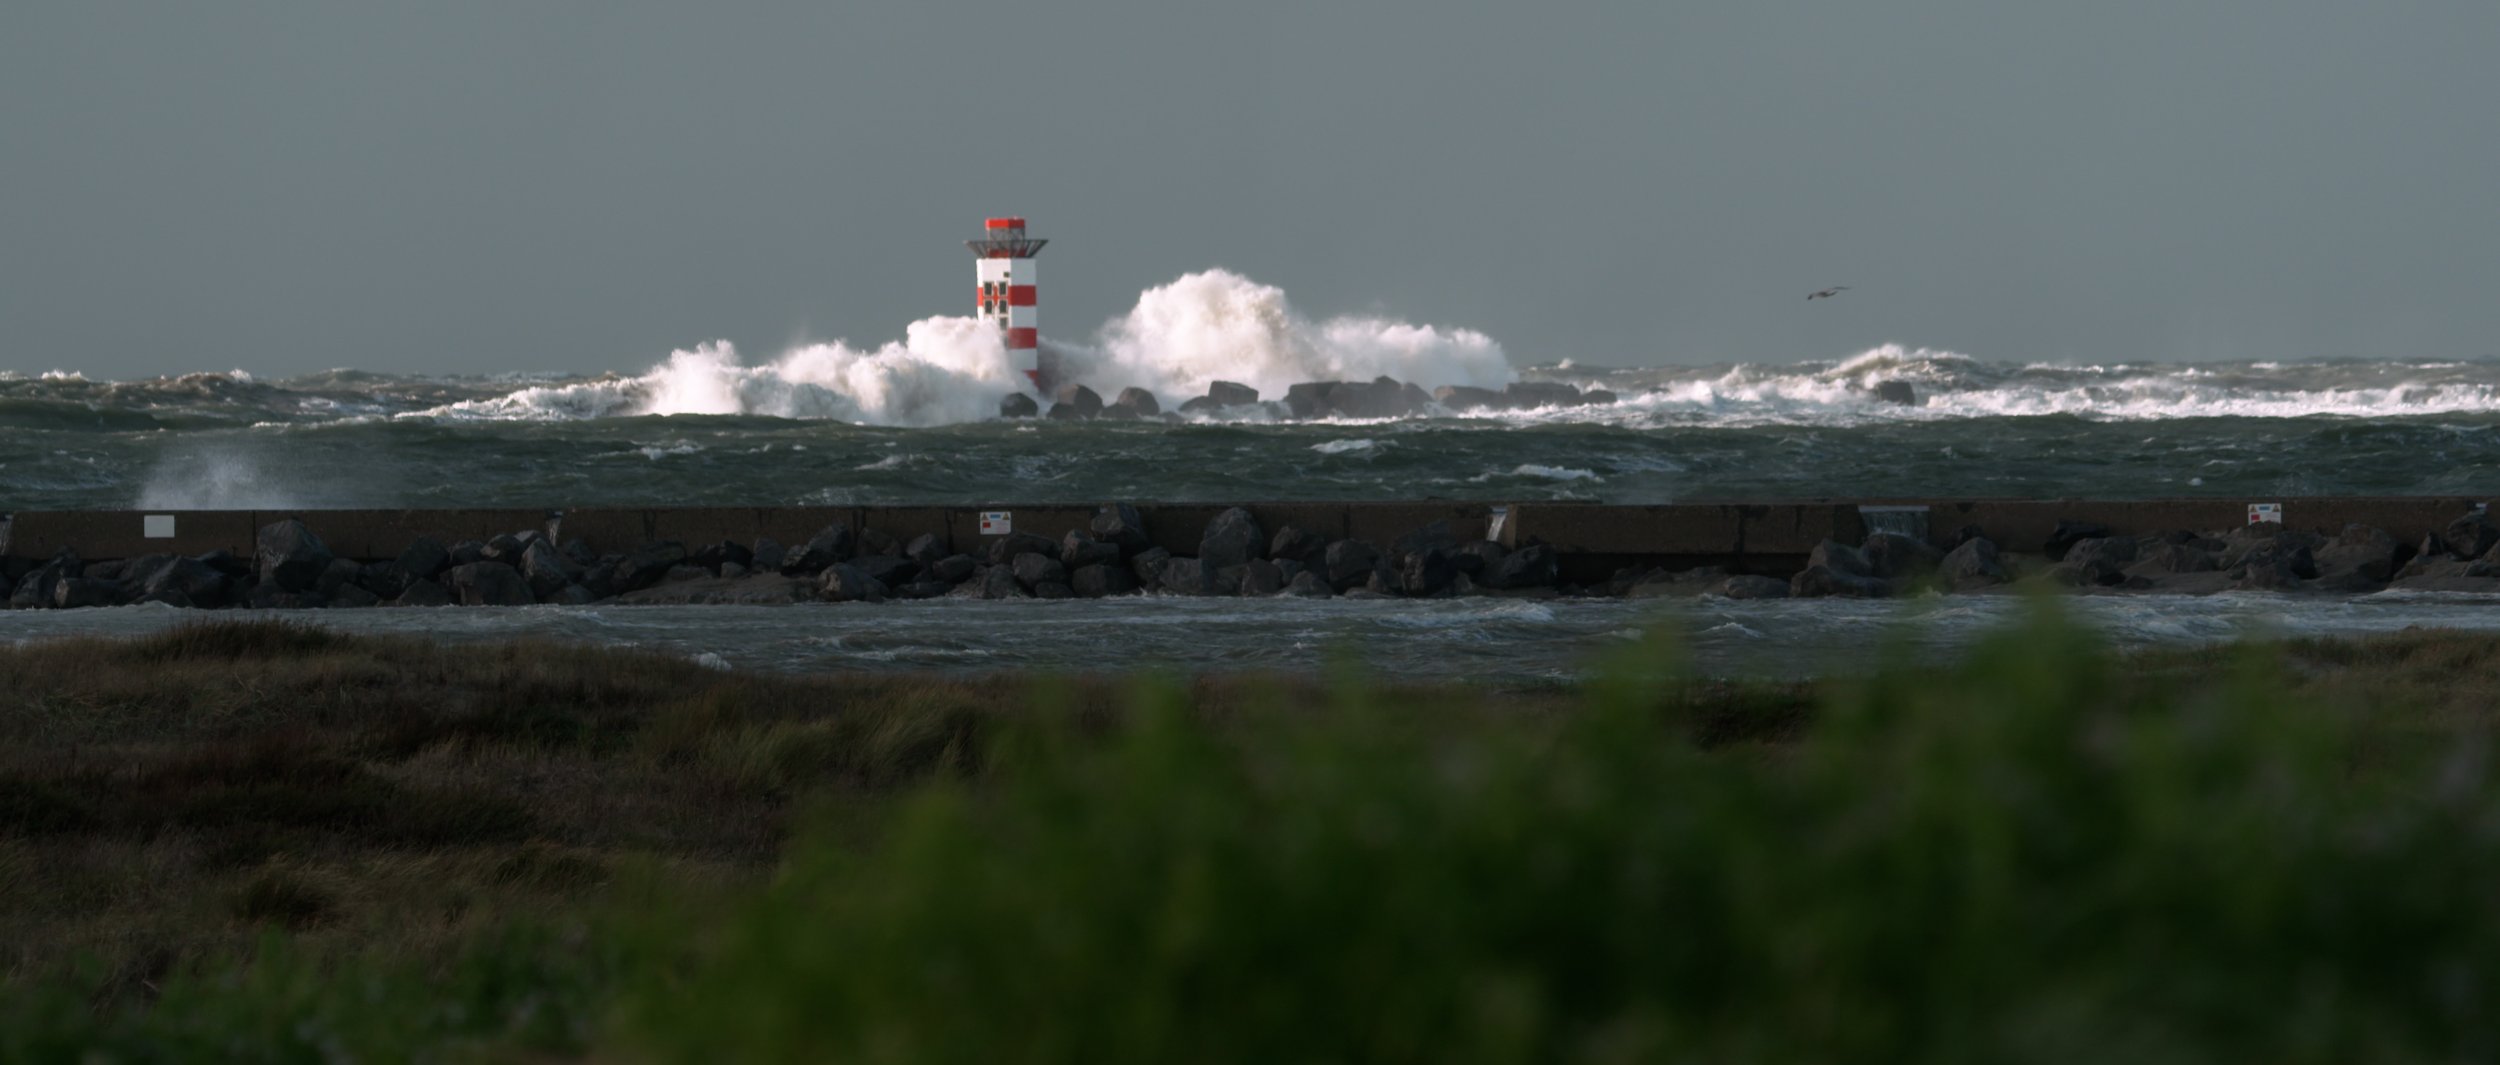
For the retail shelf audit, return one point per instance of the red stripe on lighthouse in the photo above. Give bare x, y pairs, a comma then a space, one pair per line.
1021, 295
1024, 338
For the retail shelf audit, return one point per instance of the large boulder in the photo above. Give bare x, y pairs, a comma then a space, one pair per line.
1541, 394
1748, 586
1310, 398
1099, 580
490, 584
1017, 405
2068, 534
2100, 560
924, 549
889, 570
71, 593
1075, 401
1434, 536
1232, 538
846, 582
1135, 402
954, 569
1426, 572
1894, 556
1037, 569
2360, 553
2173, 558
424, 593
1004, 550
1077, 551
1229, 394
999, 582
547, 570
2471, 536
1839, 558
1380, 397
195, 581
1308, 584
1298, 545
424, 559
1818, 581
1121, 524
1147, 567
1973, 563
1259, 577
1897, 391
643, 568
1186, 576
1459, 399
290, 557
834, 543
767, 556
1349, 563
1534, 566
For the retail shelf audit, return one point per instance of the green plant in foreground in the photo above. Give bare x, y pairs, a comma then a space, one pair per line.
2016, 860
2034, 855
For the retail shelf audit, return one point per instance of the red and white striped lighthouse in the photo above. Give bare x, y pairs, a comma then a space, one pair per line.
1008, 291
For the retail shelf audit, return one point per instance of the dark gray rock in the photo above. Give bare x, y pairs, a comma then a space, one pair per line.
352, 595
1018, 405
1099, 580
290, 557
845, 582
1299, 545
384, 579
547, 570
1077, 551
643, 568
1229, 394
1379, 398
1309, 585
1053, 590
424, 559
2117, 551
1349, 563
489, 584
1200, 405
1818, 581
1005, 549
888, 570
465, 552
198, 583
1136, 402
2068, 533
71, 593
577, 551
922, 589
1186, 576
2282, 562
1310, 399
924, 549
1426, 572
505, 548
1260, 577
999, 582
1077, 400
1896, 392
878, 542
1232, 538
340, 573
1973, 563
1525, 394
2359, 555
1894, 556
1749, 586
1839, 558
730, 571
1119, 523
1147, 567
834, 543
424, 593
2172, 558
768, 556
2471, 536
1475, 557
1035, 570
1534, 566
954, 569
1460, 399
223, 561
683, 572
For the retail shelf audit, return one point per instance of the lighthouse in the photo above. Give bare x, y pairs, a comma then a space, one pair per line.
1004, 261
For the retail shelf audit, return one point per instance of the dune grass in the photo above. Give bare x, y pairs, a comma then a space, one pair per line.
277, 845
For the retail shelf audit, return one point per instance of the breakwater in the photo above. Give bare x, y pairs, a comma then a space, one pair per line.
1820, 548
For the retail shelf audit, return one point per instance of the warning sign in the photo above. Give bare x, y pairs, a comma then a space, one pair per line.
997, 522
2272, 512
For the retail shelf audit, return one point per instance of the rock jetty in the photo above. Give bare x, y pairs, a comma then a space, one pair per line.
1113, 555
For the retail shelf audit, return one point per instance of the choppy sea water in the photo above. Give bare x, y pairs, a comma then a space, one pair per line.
697, 432
1496, 641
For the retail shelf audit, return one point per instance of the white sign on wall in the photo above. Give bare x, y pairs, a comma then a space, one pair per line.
997, 522
156, 526
2272, 512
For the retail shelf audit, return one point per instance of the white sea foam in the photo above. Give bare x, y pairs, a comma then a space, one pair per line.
1347, 447
1549, 473
1203, 327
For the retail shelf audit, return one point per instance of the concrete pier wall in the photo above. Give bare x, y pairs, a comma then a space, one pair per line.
1593, 539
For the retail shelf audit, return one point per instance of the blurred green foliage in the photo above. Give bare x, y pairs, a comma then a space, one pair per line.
2032, 856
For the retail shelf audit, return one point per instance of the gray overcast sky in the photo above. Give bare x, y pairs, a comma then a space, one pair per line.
480, 187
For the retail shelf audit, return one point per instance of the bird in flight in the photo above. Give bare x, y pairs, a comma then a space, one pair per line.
1828, 293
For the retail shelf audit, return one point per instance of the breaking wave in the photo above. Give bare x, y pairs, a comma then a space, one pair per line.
1181, 337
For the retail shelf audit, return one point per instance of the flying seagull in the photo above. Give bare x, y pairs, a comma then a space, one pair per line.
1828, 293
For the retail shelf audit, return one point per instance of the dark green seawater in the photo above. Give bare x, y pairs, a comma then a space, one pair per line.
349, 439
